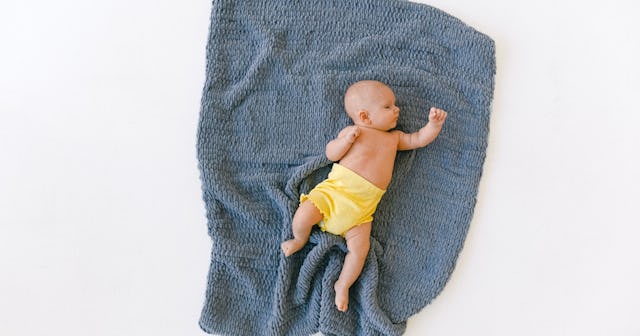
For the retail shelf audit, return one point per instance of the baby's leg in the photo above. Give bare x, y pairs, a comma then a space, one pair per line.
304, 219
358, 245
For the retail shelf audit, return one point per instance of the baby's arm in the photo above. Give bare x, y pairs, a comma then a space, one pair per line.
339, 146
426, 134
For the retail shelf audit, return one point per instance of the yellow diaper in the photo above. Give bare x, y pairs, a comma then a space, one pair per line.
345, 199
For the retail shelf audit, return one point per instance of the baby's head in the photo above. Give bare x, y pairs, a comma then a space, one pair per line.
371, 104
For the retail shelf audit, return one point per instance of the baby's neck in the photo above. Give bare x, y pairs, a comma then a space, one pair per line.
369, 127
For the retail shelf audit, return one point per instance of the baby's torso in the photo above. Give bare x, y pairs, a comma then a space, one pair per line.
372, 156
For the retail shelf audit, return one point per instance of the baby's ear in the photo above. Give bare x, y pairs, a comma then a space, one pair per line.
363, 115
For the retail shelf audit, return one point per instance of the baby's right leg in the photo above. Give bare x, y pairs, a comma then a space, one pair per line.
304, 219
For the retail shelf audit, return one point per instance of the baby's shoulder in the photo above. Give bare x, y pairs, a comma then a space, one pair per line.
393, 135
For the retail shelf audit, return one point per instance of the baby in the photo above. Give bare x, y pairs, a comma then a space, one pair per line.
344, 203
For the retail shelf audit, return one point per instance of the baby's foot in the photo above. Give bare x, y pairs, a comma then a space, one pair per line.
291, 246
342, 297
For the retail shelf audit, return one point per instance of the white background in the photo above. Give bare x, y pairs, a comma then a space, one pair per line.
102, 226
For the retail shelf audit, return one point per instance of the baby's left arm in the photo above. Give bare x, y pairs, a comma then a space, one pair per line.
425, 135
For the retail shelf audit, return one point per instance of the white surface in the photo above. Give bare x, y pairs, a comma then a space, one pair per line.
102, 227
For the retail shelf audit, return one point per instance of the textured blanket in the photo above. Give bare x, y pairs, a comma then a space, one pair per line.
275, 79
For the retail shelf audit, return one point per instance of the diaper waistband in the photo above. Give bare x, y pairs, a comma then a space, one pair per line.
339, 170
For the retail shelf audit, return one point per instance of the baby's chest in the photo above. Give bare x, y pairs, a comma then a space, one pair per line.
377, 145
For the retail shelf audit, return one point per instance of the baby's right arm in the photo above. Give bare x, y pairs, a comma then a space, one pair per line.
339, 146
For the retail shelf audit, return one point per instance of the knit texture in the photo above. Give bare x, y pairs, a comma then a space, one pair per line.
275, 80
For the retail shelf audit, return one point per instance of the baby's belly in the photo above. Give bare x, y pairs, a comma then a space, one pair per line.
375, 171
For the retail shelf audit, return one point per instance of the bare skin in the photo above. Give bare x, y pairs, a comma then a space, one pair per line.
369, 149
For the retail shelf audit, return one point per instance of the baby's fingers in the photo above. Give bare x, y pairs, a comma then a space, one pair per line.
437, 115
355, 132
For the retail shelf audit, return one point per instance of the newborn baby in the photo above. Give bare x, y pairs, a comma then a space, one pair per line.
344, 203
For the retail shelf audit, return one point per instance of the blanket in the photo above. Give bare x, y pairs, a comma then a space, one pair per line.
276, 75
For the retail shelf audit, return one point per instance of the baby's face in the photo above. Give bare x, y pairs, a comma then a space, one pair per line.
382, 108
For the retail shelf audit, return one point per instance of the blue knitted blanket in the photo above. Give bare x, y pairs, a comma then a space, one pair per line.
276, 75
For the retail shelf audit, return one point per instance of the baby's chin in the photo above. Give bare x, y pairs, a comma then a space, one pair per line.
388, 127
395, 124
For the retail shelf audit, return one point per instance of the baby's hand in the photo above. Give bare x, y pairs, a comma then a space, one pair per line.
437, 116
352, 134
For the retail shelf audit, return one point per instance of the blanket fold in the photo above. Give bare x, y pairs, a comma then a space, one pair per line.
276, 75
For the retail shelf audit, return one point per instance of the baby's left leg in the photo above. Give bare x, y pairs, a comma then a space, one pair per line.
358, 245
